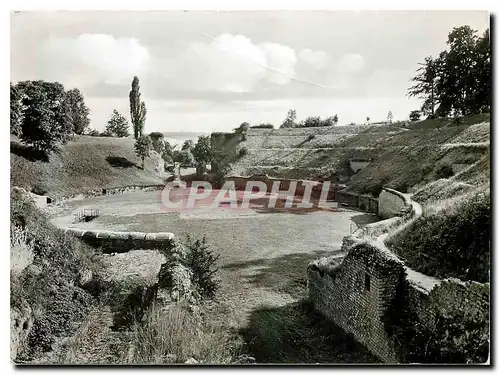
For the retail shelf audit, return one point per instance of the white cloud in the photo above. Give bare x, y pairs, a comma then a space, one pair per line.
351, 63
317, 59
90, 58
231, 63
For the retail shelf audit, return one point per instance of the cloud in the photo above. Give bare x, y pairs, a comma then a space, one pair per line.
351, 63
230, 63
91, 58
317, 59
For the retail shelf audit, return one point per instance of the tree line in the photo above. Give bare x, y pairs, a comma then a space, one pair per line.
44, 115
458, 81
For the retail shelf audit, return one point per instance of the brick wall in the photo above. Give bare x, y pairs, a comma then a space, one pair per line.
355, 294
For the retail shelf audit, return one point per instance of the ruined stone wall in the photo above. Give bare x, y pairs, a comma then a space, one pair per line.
355, 294
392, 203
361, 201
107, 191
119, 242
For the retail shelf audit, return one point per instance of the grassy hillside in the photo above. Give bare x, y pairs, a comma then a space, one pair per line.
402, 157
84, 163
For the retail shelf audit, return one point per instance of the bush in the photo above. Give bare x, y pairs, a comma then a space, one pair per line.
454, 242
445, 171
415, 115
202, 261
243, 152
263, 126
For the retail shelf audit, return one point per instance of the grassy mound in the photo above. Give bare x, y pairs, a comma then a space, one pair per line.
84, 163
453, 241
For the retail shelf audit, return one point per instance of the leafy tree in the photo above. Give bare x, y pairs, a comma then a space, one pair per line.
117, 125
312, 121
425, 87
137, 109
415, 115
202, 154
157, 142
142, 146
367, 118
93, 133
183, 157
45, 121
16, 112
389, 116
458, 81
336, 119
264, 125
187, 145
290, 119
78, 111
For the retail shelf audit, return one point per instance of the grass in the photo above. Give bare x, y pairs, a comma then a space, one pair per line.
51, 284
174, 335
403, 156
84, 163
295, 333
451, 239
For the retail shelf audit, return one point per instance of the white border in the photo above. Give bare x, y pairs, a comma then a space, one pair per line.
7, 6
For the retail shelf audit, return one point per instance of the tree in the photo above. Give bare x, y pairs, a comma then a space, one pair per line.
183, 157
336, 119
389, 116
243, 128
290, 119
157, 142
117, 125
78, 111
202, 154
415, 115
367, 118
45, 121
425, 88
137, 109
312, 121
142, 146
187, 145
458, 81
16, 111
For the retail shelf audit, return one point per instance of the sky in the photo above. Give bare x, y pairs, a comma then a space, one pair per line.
205, 71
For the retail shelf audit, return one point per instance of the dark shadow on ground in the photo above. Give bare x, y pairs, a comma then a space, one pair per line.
120, 162
285, 274
28, 152
295, 333
363, 219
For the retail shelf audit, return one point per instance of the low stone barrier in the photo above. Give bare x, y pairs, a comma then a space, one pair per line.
107, 191
118, 242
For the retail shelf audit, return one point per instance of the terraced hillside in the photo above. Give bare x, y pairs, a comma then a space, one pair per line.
400, 156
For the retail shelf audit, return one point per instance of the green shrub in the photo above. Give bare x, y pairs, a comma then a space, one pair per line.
445, 171
202, 261
454, 242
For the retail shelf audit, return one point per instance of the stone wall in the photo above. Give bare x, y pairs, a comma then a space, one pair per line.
240, 183
361, 201
355, 292
392, 203
118, 242
107, 191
